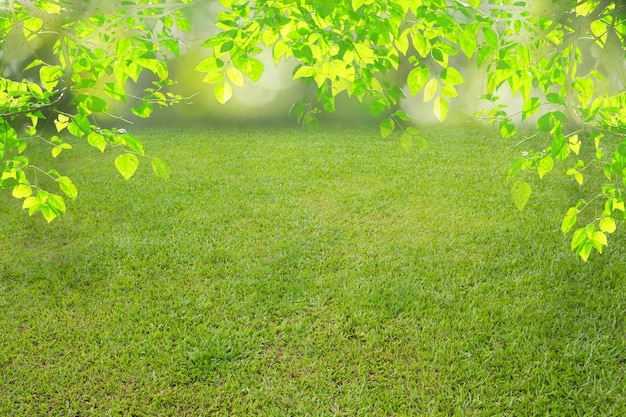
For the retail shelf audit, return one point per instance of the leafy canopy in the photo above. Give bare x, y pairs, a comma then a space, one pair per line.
565, 61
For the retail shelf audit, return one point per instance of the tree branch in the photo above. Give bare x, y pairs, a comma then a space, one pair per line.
36, 108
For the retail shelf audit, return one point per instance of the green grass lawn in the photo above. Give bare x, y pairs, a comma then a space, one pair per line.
284, 273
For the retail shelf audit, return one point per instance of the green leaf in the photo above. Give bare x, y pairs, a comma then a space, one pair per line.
79, 126
449, 91
452, 76
607, 224
599, 240
310, 122
440, 56
491, 37
530, 107
298, 110
555, 99
210, 64
48, 213
33, 64
22, 191
417, 78
303, 71
160, 168
483, 54
32, 204
579, 178
574, 143
584, 250
584, 87
577, 175
50, 76
127, 164
251, 67
61, 122
223, 92
56, 202
226, 46
58, 149
560, 148
133, 143
467, 42
402, 116
115, 91
386, 127
521, 193
402, 42
440, 108
356, 4
569, 220
67, 186
143, 110
155, 66
378, 106
122, 47
420, 43
544, 123
97, 140
507, 129
96, 104
280, 49
430, 90
516, 167
213, 78
406, 141
235, 76
545, 165
183, 24
75, 129
328, 102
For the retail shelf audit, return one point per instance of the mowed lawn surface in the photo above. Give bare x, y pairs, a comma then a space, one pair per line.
286, 273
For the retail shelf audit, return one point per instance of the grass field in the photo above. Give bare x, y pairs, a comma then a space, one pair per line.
282, 273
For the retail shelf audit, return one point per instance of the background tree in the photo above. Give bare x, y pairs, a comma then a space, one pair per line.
547, 55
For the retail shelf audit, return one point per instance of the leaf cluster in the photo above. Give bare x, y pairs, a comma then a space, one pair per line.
92, 54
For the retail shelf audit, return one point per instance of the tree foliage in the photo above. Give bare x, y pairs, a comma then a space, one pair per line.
565, 61
84, 57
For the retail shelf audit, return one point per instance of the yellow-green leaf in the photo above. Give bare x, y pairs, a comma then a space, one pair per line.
304, 71
521, 193
574, 143
160, 168
235, 76
61, 122
545, 165
607, 224
50, 76
440, 108
417, 78
30, 202
67, 186
223, 92
356, 4
97, 140
386, 127
451, 76
126, 164
430, 90
569, 220
22, 190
